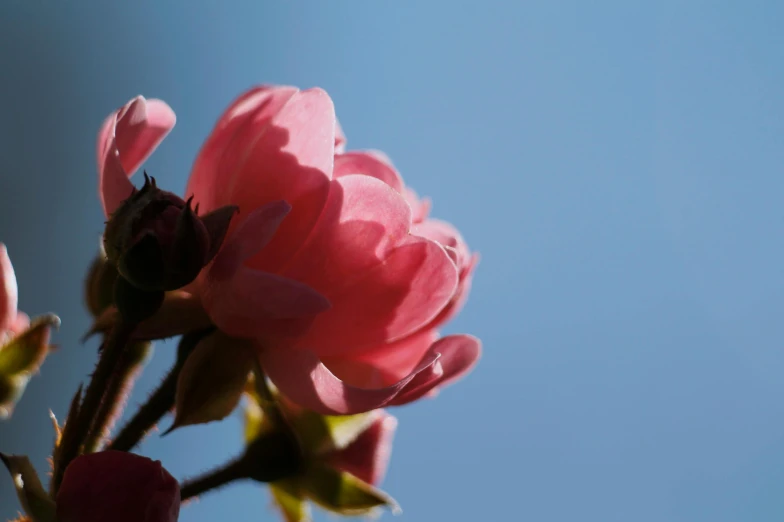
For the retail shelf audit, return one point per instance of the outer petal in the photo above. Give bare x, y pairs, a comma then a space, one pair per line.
385, 364
447, 235
370, 163
387, 302
9, 292
256, 304
368, 456
306, 381
126, 139
290, 160
237, 130
340, 139
459, 354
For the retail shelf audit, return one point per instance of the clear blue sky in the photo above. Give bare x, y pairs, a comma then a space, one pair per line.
617, 164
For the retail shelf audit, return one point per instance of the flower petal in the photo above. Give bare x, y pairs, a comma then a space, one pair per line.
458, 355
236, 130
387, 302
9, 292
256, 304
445, 234
289, 159
340, 139
362, 222
126, 139
304, 379
369, 163
252, 234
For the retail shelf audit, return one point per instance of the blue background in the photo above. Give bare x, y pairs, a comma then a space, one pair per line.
618, 166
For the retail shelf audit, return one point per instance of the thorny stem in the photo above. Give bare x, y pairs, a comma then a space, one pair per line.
112, 351
219, 477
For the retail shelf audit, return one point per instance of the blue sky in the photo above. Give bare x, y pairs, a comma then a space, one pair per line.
617, 165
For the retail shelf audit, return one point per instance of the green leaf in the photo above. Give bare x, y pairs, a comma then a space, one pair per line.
25, 353
288, 498
212, 379
342, 492
36, 502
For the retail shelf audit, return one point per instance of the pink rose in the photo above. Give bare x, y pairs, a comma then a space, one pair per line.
331, 266
117, 486
12, 321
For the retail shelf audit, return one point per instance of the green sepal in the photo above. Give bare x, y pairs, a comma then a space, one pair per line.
342, 492
35, 501
289, 499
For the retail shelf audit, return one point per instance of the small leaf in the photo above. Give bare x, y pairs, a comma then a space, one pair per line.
34, 499
25, 353
343, 493
212, 380
288, 498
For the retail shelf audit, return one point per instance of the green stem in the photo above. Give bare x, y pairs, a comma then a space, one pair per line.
113, 348
234, 470
129, 366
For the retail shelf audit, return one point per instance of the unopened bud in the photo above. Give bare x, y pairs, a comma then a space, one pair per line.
158, 242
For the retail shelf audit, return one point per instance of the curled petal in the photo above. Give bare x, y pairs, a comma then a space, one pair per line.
387, 302
256, 304
126, 139
368, 163
9, 292
459, 354
448, 236
304, 379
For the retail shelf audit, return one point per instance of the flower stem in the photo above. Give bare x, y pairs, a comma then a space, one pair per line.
234, 470
160, 402
131, 362
113, 348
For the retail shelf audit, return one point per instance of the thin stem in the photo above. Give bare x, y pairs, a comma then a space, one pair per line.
113, 348
234, 470
129, 366
160, 402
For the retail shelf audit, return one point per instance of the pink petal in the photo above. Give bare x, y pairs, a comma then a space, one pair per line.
290, 160
459, 354
340, 139
256, 304
305, 380
368, 456
461, 295
237, 130
362, 222
21, 323
447, 235
369, 163
387, 302
252, 234
9, 292
125, 141
385, 364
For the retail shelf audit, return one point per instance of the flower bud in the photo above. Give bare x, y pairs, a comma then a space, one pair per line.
117, 486
158, 242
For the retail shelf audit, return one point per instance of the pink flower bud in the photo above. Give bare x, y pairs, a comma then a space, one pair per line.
117, 486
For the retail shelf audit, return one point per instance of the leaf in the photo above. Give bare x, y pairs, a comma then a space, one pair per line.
212, 380
25, 353
34, 499
288, 498
342, 492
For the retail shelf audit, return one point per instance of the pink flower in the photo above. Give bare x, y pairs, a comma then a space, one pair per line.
12, 321
331, 266
117, 486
